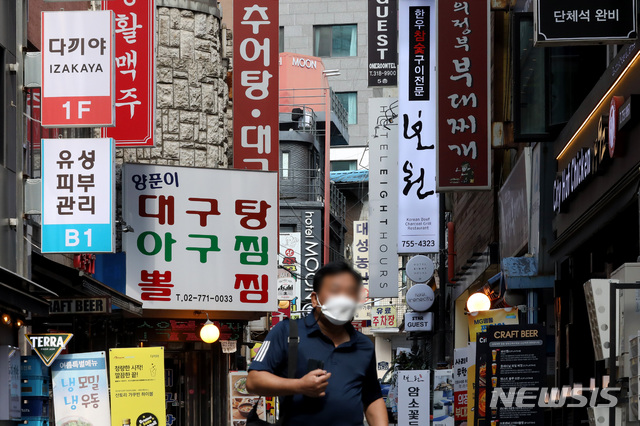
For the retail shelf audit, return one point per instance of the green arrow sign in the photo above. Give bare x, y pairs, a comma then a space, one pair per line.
48, 346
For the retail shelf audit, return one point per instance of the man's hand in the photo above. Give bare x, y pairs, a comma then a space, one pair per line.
314, 384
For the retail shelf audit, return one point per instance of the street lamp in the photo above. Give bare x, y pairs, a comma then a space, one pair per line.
478, 302
209, 332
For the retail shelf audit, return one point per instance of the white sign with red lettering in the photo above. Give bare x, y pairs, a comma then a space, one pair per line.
77, 69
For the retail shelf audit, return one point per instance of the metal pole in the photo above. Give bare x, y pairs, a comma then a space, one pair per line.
327, 167
21, 41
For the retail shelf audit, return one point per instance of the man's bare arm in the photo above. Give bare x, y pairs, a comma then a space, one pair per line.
376, 413
267, 384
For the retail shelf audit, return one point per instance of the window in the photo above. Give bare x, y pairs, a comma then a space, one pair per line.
335, 40
344, 165
281, 39
284, 165
349, 101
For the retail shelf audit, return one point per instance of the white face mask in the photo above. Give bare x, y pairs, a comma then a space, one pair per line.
339, 309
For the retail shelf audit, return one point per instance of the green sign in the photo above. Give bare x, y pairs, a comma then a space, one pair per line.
48, 346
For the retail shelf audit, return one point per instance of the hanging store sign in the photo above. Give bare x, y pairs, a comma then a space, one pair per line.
81, 389
78, 196
311, 254
420, 297
464, 150
418, 321
48, 346
383, 194
360, 259
255, 83
77, 69
570, 22
463, 358
137, 383
289, 259
91, 305
383, 42
384, 317
201, 247
418, 206
414, 397
134, 73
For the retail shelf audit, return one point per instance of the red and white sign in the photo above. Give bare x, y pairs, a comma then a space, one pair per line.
77, 69
463, 148
135, 72
614, 121
255, 84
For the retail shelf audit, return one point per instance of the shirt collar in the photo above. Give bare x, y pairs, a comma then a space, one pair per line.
312, 327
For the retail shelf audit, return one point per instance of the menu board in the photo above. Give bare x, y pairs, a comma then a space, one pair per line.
516, 358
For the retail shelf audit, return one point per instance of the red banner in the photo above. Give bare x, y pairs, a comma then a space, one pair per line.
135, 71
464, 150
255, 85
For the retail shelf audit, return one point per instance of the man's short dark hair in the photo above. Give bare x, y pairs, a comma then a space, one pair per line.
335, 268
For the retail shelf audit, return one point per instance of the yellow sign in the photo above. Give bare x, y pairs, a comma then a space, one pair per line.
479, 321
136, 376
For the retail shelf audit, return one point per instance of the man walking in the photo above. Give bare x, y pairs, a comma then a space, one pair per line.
335, 374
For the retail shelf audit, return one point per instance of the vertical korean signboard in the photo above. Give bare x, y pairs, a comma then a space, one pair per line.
383, 43
197, 246
134, 72
463, 359
464, 150
414, 397
136, 378
383, 194
78, 196
418, 207
81, 389
289, 259
77, 69
255, 85
360, 253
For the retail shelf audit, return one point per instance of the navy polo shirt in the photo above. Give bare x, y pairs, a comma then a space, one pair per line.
353, 384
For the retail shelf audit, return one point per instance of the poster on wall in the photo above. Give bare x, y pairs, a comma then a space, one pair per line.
383, 195
480, 321
443, 399
255, 85
77, 69
463, 359
414, 397
464, 131
185, 234
383, 43
81, 389
136, 379
360, 254
134, 73
289, 259
517, 359
78, 196
241, 402
479, 396
418, 205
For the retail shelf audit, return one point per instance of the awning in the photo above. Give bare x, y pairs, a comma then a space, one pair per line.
22, 294
70, 282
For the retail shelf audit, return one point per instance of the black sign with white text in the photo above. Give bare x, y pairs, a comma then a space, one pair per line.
383, 43
419, 46
585, 21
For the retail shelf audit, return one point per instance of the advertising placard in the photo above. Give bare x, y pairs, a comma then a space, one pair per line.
289, 259
443, 398
383, 43
571, 22
134, 72
479, 396
384, 317
311, 254
480, 321
360, 253
418, 321
414, 397
463, 359
48, 345
201, 247
10, 402
518, 360
81, 389
418, 206
464, 148
255, 84
241, 401
136, 379
77, 69
383, 194
78, 196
